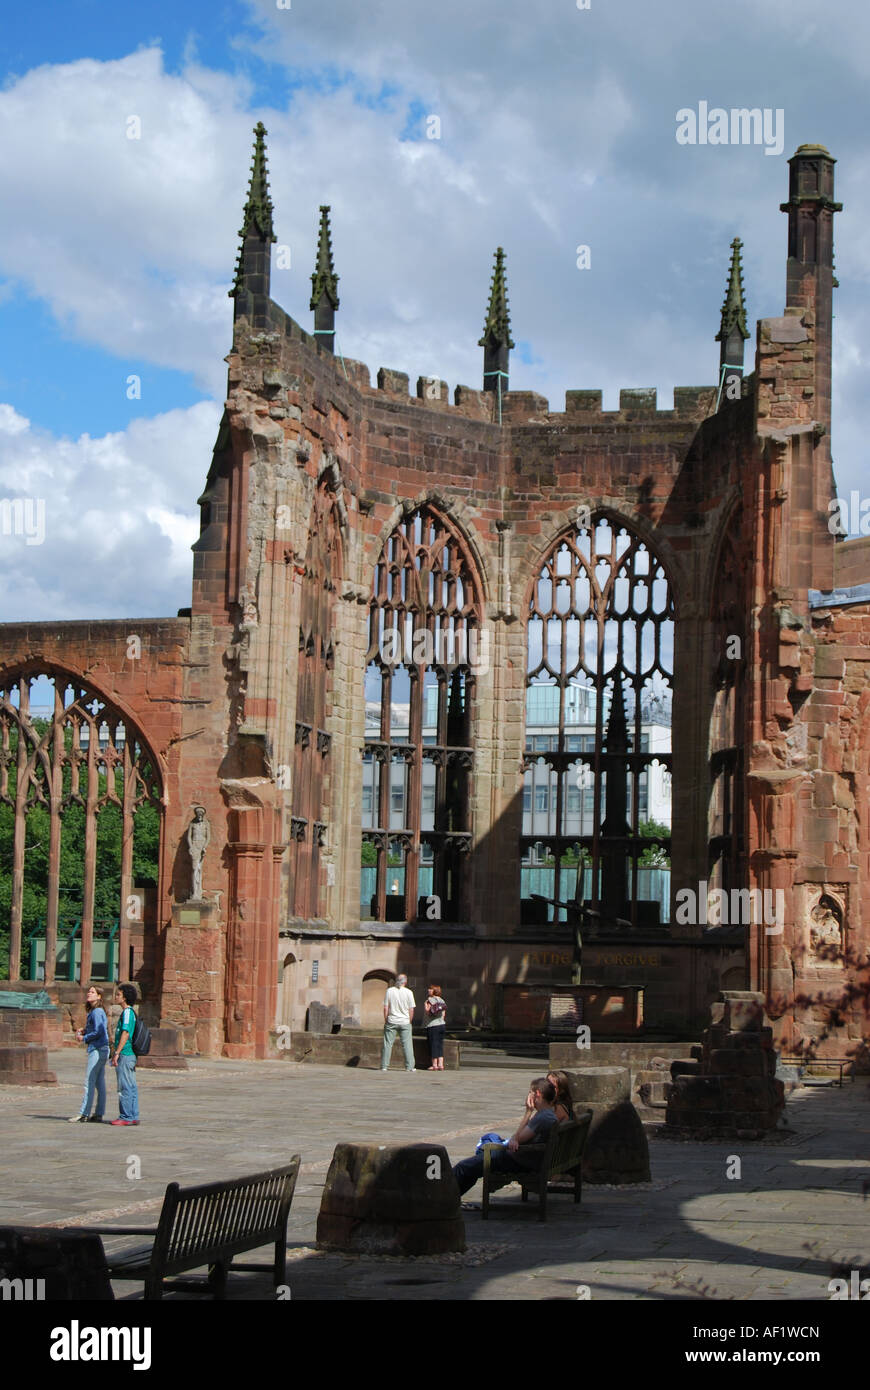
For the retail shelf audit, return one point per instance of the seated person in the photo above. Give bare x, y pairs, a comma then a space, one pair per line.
523, 1151
493, 1138
562, 1105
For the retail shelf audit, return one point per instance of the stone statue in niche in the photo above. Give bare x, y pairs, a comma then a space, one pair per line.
198, 838
826, 928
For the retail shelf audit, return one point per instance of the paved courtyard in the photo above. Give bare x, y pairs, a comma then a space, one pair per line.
798, 1206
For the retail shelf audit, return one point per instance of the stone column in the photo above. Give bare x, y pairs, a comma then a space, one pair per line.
252, 926
193, 975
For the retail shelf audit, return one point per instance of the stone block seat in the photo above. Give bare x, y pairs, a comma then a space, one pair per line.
56, 1266
394, 1199
616, 1151
26, 1065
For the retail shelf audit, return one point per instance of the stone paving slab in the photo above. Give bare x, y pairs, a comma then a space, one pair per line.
689, 1234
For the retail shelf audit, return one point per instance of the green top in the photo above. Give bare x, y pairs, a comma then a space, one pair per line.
126, 1021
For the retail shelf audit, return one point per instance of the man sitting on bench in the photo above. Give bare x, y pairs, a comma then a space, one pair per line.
523, 1151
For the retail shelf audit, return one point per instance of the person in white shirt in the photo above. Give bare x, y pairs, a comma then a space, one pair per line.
399, 1006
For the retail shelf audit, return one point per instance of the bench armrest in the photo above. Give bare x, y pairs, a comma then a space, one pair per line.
116, 1230
487, 1156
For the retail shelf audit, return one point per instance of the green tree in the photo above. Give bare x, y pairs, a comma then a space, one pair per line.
656, 857
107, 886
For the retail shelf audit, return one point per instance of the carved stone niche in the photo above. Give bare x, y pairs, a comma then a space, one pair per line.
824, 918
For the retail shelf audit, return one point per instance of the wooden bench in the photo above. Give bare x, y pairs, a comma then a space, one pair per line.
562, 1156
209, 1226
804, 1064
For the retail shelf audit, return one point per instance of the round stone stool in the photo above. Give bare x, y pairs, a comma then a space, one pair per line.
599, 1085
616, 1150
391, 1199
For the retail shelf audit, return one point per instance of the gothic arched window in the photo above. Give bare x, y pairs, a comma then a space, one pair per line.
596, 797
422, 654
80, 823
313, 742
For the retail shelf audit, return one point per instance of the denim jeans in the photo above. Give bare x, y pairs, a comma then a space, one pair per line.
404, 1032
95, 1079
469, 1170
128, 1094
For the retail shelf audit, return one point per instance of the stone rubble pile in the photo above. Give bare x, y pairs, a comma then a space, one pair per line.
729, 1088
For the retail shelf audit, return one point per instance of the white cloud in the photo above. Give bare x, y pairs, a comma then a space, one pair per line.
120, 516
557, 130
130, 241
11, 422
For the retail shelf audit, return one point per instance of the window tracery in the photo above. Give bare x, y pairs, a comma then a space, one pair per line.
80, 796
596, 802
424, 646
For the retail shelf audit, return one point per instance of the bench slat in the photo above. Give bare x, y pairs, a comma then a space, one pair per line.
261, 1208
189, 1220
234, 1223
183, 1212
201, 1228
204, 1228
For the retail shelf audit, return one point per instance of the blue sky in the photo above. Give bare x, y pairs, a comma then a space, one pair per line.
46, 371
104, 30
557, 128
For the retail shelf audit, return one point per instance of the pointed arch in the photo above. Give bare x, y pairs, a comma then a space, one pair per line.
455, 514
423, 635
75, 774
637, 526
596, 819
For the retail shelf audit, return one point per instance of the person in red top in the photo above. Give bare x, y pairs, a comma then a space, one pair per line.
436, 1021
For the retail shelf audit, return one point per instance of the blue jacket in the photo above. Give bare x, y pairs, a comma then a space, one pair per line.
96, 1033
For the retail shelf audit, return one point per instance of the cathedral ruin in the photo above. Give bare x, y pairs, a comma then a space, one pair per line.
458, 675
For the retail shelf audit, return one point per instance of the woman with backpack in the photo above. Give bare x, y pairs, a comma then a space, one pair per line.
124, 1058
436, 1027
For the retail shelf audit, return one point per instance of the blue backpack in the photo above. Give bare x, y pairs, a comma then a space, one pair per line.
489, 1139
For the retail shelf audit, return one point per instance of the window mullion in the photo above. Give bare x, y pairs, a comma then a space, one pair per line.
414, 799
